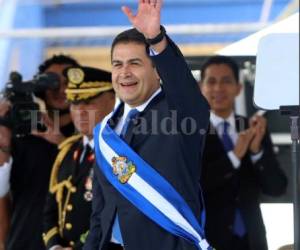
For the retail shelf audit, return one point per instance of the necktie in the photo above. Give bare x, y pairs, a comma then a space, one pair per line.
227, 142
130, 116
238, 223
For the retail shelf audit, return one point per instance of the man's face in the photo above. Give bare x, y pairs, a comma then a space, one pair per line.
133, 76
220, 88
56, 98
87, 114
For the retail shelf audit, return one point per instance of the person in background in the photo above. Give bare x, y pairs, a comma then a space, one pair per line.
238, 163
146, 185
26, 162
68, 205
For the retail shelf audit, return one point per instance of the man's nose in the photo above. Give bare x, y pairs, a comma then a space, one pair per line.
126, 71
218, 86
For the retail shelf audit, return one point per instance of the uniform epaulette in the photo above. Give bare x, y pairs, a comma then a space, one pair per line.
63, 147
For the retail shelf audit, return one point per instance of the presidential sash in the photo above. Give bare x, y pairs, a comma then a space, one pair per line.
146, 189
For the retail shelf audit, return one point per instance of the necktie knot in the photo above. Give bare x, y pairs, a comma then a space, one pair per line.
130, 116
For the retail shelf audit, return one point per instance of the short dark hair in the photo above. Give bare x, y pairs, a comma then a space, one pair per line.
130, 36
57, 59
221, 60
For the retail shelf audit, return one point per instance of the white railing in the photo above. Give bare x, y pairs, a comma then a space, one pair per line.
108, 31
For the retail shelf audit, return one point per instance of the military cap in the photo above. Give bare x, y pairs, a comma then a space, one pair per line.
85, 83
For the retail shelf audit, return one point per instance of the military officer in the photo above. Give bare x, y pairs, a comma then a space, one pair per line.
68, 205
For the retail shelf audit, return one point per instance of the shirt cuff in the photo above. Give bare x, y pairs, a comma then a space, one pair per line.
256, 157
234, 160
5, 170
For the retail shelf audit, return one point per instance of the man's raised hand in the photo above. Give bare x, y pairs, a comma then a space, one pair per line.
147, 18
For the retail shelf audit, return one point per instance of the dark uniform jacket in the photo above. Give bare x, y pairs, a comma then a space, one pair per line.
226, 188
171, 145
33, 158
68, 205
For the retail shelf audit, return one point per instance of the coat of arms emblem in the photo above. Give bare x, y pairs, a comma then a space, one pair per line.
123, 168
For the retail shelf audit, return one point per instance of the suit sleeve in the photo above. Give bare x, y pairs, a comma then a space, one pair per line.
181, 89
267, 173
51, 235
270, 176
94, 236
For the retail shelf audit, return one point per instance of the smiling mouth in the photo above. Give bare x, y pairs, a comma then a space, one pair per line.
128, 84
83, 122
219, 98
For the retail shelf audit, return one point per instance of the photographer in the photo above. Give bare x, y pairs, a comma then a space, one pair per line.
26, 161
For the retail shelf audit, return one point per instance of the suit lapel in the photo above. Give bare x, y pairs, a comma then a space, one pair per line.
80, 169
214, 140
114, 120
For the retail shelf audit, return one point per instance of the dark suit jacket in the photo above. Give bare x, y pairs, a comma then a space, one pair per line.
164, 145
226, 188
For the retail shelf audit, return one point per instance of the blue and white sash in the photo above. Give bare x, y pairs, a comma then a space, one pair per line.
137, 181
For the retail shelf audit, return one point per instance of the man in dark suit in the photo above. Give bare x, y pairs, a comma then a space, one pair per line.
160, 134
238, 164
68, 205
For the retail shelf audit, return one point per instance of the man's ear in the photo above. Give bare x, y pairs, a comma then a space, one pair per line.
156, 74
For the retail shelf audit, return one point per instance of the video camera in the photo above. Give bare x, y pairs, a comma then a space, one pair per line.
25, 113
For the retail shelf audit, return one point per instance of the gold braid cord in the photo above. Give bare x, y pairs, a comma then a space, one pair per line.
47, 236
58, 188
64, 148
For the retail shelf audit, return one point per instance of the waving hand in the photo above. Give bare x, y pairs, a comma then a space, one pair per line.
147, 18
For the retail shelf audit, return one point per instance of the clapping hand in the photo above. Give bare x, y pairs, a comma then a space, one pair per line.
244, 139
258, 124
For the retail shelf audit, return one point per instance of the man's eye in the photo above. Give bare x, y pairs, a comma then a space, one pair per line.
227, 81
211, 82
135, 63
115, 65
